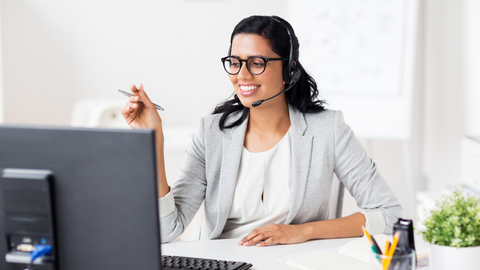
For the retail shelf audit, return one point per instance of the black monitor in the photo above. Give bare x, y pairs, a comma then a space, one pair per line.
103, 195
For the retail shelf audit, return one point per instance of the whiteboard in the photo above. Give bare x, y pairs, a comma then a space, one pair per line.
362, 55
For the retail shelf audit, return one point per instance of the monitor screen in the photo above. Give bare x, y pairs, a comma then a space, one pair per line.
103, 193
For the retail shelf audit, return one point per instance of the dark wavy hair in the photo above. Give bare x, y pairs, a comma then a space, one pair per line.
303, 95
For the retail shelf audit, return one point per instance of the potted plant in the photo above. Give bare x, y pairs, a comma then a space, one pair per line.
453, 229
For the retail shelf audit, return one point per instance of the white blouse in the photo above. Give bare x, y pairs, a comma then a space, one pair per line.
263, 190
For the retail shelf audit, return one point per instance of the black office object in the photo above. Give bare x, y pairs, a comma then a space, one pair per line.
28, 215
179, 262
406, 240
104, 194
406, 245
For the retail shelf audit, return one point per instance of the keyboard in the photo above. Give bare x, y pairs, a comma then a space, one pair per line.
178, 262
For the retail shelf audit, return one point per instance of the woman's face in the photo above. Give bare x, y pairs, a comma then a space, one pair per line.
250, 88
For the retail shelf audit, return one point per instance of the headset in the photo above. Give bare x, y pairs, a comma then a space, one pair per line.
291, 74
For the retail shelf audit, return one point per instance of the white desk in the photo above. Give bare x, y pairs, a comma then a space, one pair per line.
262, 258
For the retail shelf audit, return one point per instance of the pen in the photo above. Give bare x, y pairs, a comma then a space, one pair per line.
129, 95
374, 244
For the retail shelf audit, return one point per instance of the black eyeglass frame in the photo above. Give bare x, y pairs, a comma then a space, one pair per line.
266, 59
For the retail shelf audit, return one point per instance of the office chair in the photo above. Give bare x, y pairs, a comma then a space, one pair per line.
335, 206
98, 113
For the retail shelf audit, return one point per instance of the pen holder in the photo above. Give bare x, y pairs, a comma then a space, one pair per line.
405, 261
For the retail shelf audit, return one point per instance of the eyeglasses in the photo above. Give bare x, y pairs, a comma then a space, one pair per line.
255, 64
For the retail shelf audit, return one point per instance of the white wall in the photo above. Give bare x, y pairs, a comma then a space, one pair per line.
58, 52
446, 101
1, 69
472, 66
444, 92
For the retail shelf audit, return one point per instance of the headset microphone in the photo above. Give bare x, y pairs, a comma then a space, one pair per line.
258, 102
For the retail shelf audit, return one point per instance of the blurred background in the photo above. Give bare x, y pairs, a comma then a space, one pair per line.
61, 60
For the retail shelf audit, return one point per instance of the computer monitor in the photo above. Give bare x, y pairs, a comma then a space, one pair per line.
103, 191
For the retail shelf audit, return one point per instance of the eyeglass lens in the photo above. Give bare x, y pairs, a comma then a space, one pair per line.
256, 65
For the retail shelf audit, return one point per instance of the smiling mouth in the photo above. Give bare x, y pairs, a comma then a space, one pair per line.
246, 90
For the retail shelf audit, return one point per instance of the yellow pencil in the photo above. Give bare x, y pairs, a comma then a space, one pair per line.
376, 249
391, 251
367, 234
385, 251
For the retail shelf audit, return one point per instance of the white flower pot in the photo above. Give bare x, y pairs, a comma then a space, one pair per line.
443, 257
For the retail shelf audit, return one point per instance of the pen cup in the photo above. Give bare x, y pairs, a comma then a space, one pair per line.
399, 261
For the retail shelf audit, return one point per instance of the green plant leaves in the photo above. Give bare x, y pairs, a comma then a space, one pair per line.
455, 221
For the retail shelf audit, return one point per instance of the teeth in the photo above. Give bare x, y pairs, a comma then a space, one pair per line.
248, 88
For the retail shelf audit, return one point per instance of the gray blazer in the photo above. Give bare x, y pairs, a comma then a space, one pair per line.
322, 144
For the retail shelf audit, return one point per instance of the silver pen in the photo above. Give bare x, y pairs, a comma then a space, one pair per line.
130, 95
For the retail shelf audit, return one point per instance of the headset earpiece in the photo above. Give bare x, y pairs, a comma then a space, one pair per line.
291, 75
296, 74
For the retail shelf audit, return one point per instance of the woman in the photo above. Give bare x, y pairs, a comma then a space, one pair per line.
265, 171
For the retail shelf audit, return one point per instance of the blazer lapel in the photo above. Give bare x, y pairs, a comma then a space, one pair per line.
231, 155
301, 156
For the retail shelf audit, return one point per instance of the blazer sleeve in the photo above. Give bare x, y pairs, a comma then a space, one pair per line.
188, 191
362, 179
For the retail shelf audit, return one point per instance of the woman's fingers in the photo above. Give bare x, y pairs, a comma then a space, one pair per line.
134, 90
140, 112
273, 234
246, 240
131, 106
143, 96
131, 111
133, 103
269, 241
139, 96
259, 239
134, 99
128, 113
255, 236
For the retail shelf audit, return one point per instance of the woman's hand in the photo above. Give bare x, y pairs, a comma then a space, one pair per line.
275, 234
141, 115
144, 115
349, 226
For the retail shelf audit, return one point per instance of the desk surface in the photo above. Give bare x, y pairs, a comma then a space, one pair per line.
261, 257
